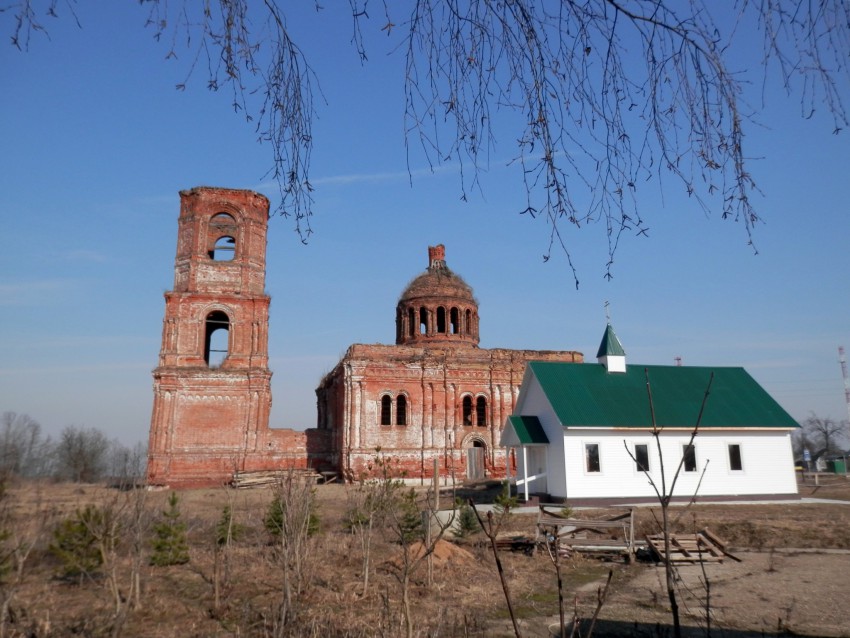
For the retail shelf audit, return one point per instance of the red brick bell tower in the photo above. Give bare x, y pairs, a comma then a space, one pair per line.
212, 392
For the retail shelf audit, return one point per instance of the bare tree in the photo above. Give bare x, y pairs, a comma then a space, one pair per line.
821, 436
125, 466
19, 536
601, 96
291, 521
23, 449
81, 454
369, 506
491, 531
665, 486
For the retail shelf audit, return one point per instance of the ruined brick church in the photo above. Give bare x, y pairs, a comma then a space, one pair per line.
433, 398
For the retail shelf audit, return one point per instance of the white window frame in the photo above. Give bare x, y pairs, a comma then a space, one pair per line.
740, 456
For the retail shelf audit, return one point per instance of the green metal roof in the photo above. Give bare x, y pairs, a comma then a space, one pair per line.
584, 394
528, 429
610, 345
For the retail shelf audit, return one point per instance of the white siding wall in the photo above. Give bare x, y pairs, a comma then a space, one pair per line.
768, 466
535, 402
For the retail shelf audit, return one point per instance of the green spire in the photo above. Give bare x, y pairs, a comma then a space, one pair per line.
610, 345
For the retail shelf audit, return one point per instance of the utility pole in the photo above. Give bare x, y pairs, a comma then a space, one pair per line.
843, 361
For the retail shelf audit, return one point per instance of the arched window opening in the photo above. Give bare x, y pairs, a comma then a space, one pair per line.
221, 237
423, 321
481, 412
467, 410
441, 320
401, 410
224, 249
386, 410
468, 323
411, 321
217, 338
454, 320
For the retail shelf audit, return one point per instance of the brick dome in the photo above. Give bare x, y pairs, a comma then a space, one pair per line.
438, 306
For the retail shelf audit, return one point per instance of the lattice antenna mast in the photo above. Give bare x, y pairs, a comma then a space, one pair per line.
843, 361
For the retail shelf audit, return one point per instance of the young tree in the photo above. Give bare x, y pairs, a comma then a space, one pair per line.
19, 536
227, 530
291, 521
602, 95
170, 546
491, 530
76, 543
665, 486
369, 505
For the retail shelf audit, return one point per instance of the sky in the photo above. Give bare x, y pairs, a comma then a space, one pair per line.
96, 143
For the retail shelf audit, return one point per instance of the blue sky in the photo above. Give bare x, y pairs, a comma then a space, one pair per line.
96, 144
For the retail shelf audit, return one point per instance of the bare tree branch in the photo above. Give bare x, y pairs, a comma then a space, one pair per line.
599, 96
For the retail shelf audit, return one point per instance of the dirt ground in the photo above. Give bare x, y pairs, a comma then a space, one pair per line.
792, 579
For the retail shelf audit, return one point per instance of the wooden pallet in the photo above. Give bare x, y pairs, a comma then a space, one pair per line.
703, 547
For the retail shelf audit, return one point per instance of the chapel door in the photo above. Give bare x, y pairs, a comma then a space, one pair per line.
475, 461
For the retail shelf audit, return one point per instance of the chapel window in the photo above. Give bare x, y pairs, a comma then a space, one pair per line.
689, 453
642, 457
441, 320
736, 464
591, 457
453, 321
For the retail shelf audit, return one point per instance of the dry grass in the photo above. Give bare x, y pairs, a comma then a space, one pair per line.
465, 598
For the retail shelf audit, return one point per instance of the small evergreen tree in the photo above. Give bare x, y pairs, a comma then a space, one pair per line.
409, 519
467, 523
504, 502
170, 546
75, 543
274, 522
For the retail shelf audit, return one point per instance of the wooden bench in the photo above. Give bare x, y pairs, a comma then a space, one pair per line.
598, 536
